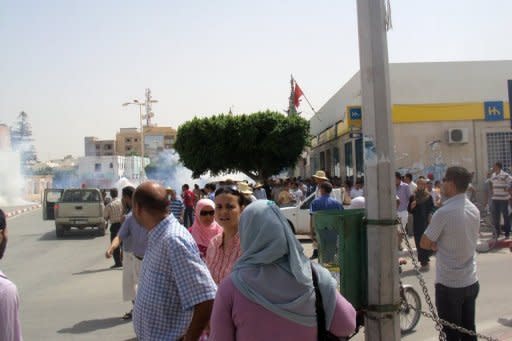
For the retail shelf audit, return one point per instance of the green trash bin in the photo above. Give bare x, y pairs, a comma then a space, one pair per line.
341, 237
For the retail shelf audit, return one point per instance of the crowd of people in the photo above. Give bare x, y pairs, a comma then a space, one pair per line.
238, 267
222, 263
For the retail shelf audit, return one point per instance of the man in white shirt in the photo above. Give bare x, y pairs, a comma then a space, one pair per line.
412, 185
453, 233
501, 182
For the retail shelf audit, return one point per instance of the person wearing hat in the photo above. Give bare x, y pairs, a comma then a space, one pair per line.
259, 192
318, 177
246, 190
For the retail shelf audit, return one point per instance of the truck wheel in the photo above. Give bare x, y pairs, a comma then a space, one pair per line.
59, 230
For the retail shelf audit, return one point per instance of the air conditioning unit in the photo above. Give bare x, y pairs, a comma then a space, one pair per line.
458, 135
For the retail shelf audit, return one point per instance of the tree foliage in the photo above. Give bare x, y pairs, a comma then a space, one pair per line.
22, 141
260, 145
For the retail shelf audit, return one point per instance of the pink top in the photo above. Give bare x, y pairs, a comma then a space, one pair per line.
10, 328
220, 260
235, 317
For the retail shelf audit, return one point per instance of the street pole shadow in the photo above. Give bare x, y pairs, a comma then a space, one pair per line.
505, 322
87, 272
93, 325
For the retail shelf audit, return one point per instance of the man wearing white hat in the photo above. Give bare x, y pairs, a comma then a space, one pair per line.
319, 177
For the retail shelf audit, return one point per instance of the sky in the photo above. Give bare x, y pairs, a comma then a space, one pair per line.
70, 64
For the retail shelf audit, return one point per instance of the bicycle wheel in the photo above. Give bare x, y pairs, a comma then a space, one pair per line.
409, 317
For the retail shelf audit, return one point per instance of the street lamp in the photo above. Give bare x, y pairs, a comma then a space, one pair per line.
140, 104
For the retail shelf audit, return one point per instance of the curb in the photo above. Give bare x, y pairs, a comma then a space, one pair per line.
21, 210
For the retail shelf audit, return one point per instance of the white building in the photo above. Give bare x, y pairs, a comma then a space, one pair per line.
105, 171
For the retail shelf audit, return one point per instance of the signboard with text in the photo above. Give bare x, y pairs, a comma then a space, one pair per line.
494, 111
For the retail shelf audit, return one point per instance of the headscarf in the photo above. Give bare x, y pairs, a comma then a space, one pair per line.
204, 233
273, 270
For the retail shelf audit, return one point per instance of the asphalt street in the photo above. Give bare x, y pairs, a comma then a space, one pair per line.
68, 291
66, 287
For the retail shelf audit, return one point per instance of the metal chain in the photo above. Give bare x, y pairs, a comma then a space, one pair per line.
433, 315
438, 325
453, 325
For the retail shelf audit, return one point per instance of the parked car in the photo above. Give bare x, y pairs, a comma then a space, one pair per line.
79, 208
298, 216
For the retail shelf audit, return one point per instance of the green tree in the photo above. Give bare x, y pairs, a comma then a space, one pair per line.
22, 141
260, 145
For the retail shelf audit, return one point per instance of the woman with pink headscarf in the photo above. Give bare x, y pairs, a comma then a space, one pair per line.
205, 227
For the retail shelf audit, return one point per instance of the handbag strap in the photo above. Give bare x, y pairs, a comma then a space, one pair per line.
319, 307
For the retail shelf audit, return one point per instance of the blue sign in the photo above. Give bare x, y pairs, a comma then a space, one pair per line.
355, 114
493, 111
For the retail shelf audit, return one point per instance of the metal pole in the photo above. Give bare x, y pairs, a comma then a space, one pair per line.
381, 321
141, 144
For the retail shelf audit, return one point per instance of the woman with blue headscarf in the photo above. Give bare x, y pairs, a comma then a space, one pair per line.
270, 294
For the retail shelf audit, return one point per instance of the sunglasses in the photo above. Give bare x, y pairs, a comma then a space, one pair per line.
206, 213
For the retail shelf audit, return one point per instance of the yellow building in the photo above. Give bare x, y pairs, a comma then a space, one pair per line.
156, 140
443, 114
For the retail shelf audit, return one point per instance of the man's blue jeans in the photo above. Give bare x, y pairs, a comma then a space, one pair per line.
498, 208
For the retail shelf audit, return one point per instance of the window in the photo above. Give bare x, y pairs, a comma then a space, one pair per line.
128, 140
128, 148
111, 165
107, 147
348, 160
359, 158
135, 140
97, 167
97, 146
499, 149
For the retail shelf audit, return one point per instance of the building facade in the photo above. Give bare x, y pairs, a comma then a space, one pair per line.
105, 171
96, 147
156, 140
443, 114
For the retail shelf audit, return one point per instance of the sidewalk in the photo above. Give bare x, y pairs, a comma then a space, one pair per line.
12, 211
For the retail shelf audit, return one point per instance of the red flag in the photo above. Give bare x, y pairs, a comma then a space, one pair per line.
297, 94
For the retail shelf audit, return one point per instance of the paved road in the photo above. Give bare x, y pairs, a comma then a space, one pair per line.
494, 308
68, 291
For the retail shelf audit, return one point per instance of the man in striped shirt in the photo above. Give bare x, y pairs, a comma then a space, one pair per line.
501, 182
176, 206
114, 213
453, 233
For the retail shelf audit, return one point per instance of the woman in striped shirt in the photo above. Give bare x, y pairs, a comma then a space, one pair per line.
224, 249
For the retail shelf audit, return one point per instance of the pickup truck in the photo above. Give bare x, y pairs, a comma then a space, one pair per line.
79, 208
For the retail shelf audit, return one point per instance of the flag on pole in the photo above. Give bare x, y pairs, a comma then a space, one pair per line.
297, 94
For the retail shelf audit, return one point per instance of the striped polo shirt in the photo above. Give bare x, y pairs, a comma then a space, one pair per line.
176, 206
455, 227
500, 185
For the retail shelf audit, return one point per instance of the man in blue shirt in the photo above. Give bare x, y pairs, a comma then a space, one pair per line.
322, 203
325, 201
176, 291
134, 239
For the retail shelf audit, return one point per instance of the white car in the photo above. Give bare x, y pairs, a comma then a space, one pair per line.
298, 215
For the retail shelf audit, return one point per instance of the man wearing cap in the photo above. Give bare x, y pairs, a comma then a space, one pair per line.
10, 327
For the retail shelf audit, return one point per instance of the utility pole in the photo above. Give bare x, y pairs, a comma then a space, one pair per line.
381, 321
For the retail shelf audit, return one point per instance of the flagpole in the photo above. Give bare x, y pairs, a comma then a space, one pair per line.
306, 98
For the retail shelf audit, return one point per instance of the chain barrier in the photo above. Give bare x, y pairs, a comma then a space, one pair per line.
435, 318
439, 323
453, 325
